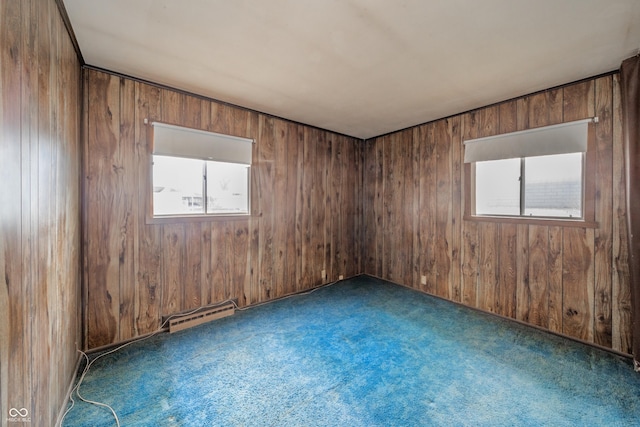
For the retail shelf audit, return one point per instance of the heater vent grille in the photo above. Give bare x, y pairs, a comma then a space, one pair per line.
190, 320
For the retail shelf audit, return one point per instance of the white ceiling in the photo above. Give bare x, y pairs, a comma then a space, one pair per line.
358, 67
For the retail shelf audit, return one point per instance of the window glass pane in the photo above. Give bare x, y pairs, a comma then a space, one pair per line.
177, 185
553, 185
227, 188
498, 187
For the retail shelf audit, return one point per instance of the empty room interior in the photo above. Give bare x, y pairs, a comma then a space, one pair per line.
320, 212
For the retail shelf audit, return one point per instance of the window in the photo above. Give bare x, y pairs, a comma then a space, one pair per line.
197, 173
545, 186
179, 184
540, 173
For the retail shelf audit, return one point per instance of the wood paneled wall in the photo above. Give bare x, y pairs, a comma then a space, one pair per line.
40, 320
322, 201
573, 281
306, 212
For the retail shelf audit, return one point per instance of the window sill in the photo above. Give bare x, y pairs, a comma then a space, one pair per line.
554, 222
180, 219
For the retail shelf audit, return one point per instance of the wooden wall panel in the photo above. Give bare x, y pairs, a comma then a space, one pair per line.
220, 268
291, 215
538, 275
578, 284
621, 290
280, 208
305, 212
306, 194
428, 203
457, 208
400, 207
46, 181
442, 134
353, 217
372, 191
487, 265
326, 150
572, 281
469, 243
555, 267
102, 178
507, 244
603, 244
389, 222
264, 170
40, 256
409, 207
334, 199
319, 243
523, 292
173, 268
416, 266
148, 241
127, 324
16, 332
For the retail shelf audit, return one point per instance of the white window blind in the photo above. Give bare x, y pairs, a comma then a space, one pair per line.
563, 138
177, 141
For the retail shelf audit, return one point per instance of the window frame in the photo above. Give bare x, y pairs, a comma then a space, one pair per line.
588, 210
151, 218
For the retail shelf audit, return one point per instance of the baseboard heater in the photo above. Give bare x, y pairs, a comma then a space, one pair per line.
186, 321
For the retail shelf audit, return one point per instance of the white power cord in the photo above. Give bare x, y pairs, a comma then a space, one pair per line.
76, 389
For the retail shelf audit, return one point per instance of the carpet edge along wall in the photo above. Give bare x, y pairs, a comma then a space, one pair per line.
362, 352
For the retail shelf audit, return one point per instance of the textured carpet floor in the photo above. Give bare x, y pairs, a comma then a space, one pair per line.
360, 353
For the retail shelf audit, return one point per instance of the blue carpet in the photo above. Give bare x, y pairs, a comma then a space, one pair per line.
362, 352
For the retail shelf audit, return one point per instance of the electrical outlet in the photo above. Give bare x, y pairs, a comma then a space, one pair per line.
423, 280
340, 277
324, 274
